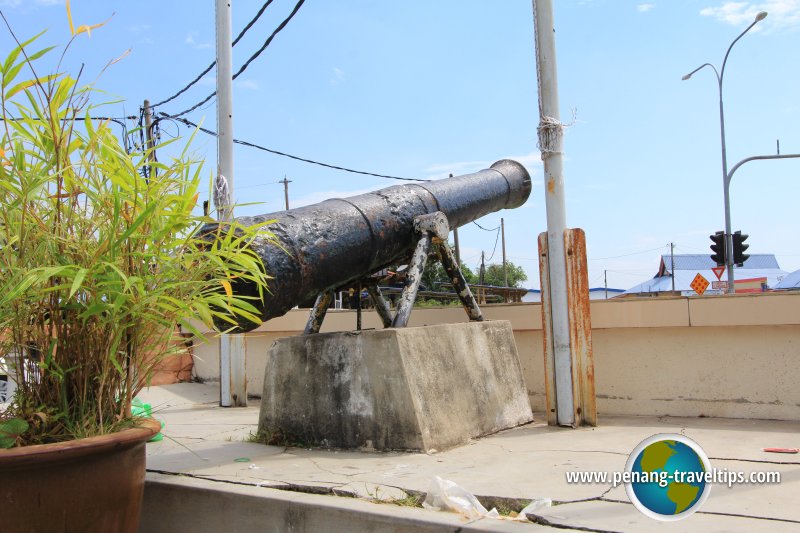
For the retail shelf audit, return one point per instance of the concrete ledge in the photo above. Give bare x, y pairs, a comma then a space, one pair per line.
179, 503
427, 388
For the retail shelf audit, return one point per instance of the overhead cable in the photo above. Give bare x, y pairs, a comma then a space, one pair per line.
250, 60
164, 116
486, 229
209, 67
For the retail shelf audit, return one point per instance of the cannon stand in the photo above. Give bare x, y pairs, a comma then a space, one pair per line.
432, 230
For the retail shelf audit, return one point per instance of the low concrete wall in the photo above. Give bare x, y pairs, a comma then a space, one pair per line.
724, 356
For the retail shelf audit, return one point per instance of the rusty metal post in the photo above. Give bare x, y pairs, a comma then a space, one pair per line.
381, 305
582, 386
547, 333
318, 313
450, 264
580, 328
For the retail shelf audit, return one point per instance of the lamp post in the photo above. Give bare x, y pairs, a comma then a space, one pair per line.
720, 75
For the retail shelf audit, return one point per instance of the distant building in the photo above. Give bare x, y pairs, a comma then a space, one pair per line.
598, 293
790, 283
759, 273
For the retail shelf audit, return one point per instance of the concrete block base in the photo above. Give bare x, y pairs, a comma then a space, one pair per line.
425, 388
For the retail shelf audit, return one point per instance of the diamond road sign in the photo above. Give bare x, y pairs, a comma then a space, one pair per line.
699, 284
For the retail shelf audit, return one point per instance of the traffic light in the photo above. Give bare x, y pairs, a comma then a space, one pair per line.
739, 257
718, 248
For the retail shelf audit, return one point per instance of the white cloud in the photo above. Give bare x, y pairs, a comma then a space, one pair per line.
17, 3
250, 85
139, 28
782, 13
338, 76
644, 8
443, 170
191, 41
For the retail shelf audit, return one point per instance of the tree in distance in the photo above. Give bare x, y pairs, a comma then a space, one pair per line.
494, 275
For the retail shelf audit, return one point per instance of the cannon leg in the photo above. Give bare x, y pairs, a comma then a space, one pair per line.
414, 276
317, 314
453, 270
381, 306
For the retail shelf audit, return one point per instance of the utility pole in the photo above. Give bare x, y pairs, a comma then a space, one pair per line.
503, 237
232, 372
672, 267
551, 145
150, 144
482, 276
286, 190
605, 281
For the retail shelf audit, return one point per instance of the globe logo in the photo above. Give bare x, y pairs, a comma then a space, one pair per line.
668, 476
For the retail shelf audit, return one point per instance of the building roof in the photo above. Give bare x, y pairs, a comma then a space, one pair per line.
704, 262
687, 266
790, 281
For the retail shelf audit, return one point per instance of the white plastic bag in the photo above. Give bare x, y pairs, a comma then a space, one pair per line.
535, 505
446, 495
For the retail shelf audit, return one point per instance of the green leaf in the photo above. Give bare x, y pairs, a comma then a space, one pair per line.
76, 283
10, 430
16, 51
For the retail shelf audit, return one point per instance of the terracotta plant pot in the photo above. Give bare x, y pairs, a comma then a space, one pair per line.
85, 485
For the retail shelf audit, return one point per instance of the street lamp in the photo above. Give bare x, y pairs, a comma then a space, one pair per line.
720, 74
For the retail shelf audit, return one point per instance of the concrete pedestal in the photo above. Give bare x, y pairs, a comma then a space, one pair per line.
424, 388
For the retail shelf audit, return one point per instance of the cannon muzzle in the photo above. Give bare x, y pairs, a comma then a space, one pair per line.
342, 240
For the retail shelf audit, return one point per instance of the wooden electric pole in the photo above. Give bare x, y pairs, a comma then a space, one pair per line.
150, 142
503, 236
286, 183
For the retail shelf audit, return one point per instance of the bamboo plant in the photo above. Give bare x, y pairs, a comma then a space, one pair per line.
99, 264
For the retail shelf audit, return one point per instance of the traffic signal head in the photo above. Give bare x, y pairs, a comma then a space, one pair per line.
739, 257
718, 248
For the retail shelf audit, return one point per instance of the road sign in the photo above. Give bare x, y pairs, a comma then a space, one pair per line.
718, 272
699, 284
719, 285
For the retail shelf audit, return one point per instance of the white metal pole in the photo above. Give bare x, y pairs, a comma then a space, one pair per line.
233, 391
551, 145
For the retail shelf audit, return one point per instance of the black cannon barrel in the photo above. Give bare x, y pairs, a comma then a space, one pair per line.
342, 240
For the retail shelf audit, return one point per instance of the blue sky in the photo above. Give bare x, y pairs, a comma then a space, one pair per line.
425, 88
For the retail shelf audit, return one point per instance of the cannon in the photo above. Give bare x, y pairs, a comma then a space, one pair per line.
341, 242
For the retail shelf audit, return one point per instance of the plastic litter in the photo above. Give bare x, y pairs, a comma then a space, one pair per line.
139, 408
445, 495
782, 450
535, 505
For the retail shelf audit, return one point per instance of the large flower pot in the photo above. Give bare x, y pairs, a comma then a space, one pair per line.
85, 485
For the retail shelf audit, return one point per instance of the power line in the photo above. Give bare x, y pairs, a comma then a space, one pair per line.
495, 244
252, 57
208, 69
163, 116
485, 229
